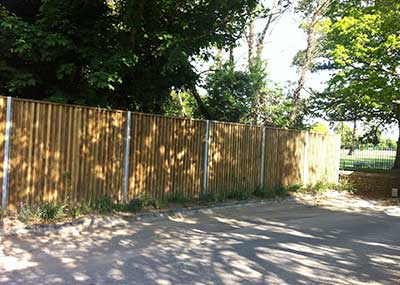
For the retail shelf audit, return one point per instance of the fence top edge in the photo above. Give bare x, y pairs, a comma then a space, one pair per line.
163, 116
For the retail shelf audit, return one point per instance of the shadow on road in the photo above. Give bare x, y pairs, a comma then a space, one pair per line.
281, 244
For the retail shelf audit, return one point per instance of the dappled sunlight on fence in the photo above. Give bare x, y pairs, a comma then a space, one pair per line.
74, 154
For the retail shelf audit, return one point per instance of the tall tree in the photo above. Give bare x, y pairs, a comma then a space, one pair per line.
264, 16
362, 50
121, 53
313, 12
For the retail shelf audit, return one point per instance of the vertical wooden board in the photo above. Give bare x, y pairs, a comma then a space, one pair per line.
121, 136
317, 158
140, 166
163, 152
158, 161
234, 162
293, 157
19, 147
133, 159
179, 158
271, 146
199, 155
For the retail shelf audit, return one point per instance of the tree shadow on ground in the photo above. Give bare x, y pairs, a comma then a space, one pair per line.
282, 244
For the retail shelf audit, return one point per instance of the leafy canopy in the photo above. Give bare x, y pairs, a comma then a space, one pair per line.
362, 50
119, 54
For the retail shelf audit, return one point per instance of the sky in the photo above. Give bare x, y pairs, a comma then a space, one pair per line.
284, 41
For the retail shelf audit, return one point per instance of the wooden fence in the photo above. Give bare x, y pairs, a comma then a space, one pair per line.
74, 154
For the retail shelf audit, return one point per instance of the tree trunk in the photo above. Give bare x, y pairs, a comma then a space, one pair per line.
202, 107
250, 41
353, 139
231, 56
397, 160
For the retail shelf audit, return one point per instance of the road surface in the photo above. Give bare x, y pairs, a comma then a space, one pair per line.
287, 243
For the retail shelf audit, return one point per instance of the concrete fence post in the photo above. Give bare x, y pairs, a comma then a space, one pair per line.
126, 156
205, 165
339, 143
262, 168
305, 161
6, 154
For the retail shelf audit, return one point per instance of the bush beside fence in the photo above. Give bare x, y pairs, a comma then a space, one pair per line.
74, 154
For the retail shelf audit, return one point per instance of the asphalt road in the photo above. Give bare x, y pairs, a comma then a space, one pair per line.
289, 243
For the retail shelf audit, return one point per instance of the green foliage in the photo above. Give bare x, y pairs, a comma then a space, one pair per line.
323, 186
229, 93
139, 204
182, 104
387, 143
344, 185
3, 213
212, 197
320, 127
49, 212
176, 197
346, 134
277, 191
361, 48
319, 187
76, 211
103, 205
119, 54
238, 194
25, 213
246, 96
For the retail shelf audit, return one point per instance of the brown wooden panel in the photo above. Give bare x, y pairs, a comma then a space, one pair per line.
74, 154
61, 151
234, 157
165, 156
284, 150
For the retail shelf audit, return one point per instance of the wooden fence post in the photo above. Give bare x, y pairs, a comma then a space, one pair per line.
126, 157
6, 153
305, 162
205, 166
262, 158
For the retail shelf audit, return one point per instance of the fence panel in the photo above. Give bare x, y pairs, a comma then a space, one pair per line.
323, 158
284, 151
166, 156
74, 154
64, 154
234, 157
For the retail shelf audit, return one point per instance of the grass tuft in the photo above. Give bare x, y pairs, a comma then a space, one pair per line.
49, 212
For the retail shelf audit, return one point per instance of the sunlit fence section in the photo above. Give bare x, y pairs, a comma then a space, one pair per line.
74, 155
370, 158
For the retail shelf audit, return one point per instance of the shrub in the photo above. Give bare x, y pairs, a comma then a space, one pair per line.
25, 213
136, 204
321, 186
49, 212
345, 185
237, 194
75, 211
212, 197
3, 213
277, 191
103, 205
178, 198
